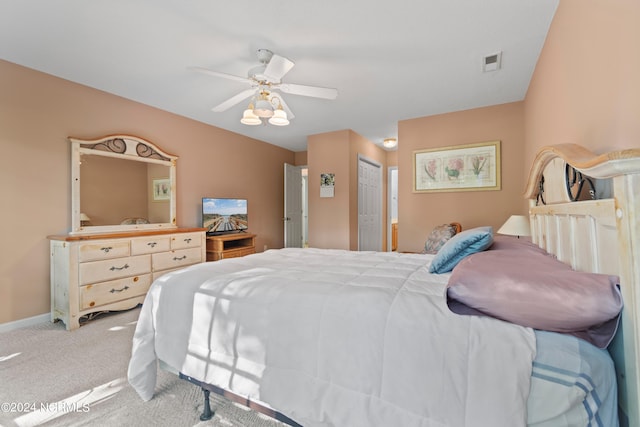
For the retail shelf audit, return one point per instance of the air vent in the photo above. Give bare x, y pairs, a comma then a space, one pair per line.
492, 62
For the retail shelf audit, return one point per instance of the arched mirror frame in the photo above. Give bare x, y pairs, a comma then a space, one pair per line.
124, 147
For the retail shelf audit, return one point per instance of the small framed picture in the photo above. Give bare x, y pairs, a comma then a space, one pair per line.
327, 184
161, 189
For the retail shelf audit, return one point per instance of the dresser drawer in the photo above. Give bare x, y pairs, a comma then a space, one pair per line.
100, 271
103, 250
186, 240
114, 290
148, 245
174, 259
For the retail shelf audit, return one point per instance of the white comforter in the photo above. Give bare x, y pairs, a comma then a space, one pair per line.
335, 338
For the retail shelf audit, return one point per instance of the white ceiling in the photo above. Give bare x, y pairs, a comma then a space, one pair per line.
389, 60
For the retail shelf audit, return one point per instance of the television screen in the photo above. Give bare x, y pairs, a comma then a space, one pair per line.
224, 215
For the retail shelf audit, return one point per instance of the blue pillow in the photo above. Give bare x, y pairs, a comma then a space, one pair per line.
459, 246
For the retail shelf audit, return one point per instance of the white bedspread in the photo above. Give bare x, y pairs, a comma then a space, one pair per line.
335, 338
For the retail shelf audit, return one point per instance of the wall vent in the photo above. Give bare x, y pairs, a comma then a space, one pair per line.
492, 62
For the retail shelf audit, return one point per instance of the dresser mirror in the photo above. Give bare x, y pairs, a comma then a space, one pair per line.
121, 183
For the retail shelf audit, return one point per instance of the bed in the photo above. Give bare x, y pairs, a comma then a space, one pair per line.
332, 337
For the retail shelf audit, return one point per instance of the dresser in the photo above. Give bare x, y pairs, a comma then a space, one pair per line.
92, 273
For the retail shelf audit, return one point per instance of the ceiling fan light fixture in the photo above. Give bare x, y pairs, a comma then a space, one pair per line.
279, 118
265, 81
249, 118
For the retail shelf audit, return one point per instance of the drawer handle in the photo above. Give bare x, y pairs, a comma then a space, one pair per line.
152, 244
188, 240
175, 258
106, 249
124, 267
113, 291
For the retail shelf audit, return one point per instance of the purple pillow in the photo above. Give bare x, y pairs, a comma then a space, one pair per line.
518, 282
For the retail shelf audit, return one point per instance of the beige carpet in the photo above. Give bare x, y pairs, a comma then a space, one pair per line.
53, 377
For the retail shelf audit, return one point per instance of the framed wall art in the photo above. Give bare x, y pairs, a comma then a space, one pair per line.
470, 167
327, 184
161, 189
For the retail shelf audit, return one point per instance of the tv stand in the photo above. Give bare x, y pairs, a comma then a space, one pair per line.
231, 245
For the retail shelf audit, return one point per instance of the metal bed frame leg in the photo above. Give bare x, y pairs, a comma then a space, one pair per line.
206, 413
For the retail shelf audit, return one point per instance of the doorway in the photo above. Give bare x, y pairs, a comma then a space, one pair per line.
369, 205
392, 208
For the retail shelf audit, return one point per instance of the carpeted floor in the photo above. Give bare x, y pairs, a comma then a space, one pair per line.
53, 377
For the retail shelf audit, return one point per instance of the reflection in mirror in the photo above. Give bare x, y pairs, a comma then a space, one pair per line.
121, 183
115, 190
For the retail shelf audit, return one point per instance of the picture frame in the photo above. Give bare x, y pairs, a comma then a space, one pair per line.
161, 189
469, 167
327, 184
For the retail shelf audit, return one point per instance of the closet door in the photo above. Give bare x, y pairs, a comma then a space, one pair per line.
292, 206
369, 205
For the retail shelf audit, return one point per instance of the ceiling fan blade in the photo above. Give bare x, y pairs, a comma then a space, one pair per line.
313, 91
234, 100
223, 75
277, 67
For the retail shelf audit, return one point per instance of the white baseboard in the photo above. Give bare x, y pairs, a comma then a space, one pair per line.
22, 323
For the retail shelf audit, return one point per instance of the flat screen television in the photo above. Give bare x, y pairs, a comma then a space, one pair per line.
224, 215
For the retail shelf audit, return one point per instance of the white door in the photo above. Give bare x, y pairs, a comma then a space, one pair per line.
369, 205
292, 206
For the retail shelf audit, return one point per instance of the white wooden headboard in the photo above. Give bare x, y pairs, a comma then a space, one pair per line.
600, 236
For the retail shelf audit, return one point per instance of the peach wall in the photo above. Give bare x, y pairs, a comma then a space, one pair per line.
37, 114
333, 222
300, 158
392, 158
418, 213
586, 85
329, 217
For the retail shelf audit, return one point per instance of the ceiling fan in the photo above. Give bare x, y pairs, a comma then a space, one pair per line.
264, 80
